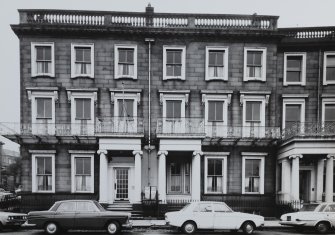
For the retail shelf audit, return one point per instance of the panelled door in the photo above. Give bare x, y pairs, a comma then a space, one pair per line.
121, 183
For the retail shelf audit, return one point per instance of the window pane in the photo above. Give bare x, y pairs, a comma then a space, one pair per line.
218, 167
169, 57
293, 113
87, 108
48, 107
211, 110
254, 58
219, 111
40, 107
87, 166
40, 165
252, 167
130, 56
293, 76
220, 208
83, 54
173, 108
177, 57
122, 55
79, 108
253, 109
330, 74
177, 70
79, 54
294, 63
329, 112
48, 165
205, 207
177, 109
79, 166
216, 58
169, 109
331, 61
66, 206
43, 53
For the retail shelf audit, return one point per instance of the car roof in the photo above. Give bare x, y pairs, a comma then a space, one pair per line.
75, 200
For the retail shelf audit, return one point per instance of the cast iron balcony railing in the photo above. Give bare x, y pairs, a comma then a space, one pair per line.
309, 32
219, 129
309, 129
105, 126
147, 19
181, 126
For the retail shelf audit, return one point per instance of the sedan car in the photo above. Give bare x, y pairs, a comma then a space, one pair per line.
320, 216
11, 220
212, 215
79, 214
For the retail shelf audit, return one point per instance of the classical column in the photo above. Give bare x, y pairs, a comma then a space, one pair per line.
319, 179
295, 177
162, 175
138, 175
329, 177
103, 184
286, 180
196, 175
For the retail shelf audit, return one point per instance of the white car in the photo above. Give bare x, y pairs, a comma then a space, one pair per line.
212, 215
319, 216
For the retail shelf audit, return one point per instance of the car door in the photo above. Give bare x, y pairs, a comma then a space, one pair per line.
329, 213
203, 216
65, 215
87, 216
224, 217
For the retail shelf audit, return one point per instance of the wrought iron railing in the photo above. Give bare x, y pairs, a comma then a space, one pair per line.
309, 32
180, 126
307, 129
217, 129
147, 19
105, 126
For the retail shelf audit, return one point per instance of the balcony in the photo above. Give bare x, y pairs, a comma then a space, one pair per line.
102, 127
309, 129
147, 19
180, 127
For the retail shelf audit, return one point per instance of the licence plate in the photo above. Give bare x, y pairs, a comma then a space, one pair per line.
288, 218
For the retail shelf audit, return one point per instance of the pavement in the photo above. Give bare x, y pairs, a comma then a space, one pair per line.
154, 223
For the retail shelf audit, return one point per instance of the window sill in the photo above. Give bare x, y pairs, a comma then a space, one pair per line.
126, 77
43, 76
328, 83
82, 192
43, 118
82, 76
216, 79
294, 84
254, 79
174, 78
214, 193
44, 192
83, 119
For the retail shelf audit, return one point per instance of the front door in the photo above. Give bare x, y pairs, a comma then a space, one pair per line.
305, 185
121, 183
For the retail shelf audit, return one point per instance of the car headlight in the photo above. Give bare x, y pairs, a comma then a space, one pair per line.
10, 217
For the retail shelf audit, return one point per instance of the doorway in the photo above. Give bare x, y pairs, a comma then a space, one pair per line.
121, 183
305, 185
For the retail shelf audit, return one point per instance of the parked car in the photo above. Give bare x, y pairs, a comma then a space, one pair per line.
5, 194
79, 214
320, 216
212, 215
11, 220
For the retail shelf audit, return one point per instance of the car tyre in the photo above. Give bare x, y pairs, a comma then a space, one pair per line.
51, 228
322, 227
248, 227
189, 227
112, 227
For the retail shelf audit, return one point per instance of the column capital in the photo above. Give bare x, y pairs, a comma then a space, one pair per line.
331, 155
295, 156
197, 153
102, 151
162, 153
137, 152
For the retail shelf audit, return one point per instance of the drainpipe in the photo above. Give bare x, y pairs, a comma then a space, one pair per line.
319, 92
149, 147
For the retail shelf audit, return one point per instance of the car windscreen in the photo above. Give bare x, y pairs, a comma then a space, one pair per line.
99, 206
185, 207
309, 207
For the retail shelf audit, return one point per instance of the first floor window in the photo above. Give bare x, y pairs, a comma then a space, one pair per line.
83, 108
44, 108
44, 173
83, 174
215, 111
126, 107
253, 112
252, 175
292, 115
173, 109
215, 175
254, 64
329, 114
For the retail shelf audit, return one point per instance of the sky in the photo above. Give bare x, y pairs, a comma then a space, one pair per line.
292, 13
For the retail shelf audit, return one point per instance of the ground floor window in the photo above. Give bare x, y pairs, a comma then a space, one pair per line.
82, 173
253, 175
43, 168
215, 174
178, 177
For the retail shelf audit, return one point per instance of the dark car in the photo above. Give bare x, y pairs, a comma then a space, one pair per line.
11, 220
79, 214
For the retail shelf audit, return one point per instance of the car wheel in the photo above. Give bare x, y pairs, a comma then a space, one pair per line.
51, 228
248, 227
113, 227
189, 227
322, 227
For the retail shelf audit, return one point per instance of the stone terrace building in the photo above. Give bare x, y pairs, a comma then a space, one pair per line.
198, 106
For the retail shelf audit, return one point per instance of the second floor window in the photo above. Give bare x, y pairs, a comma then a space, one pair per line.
255, 64
44, 108
42, 59
253, 112
173, 109
216, 63
329, 68
329, 114
174, 63
126, 62
126, 107
215, 111
82, 60
294, 66
83, 108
